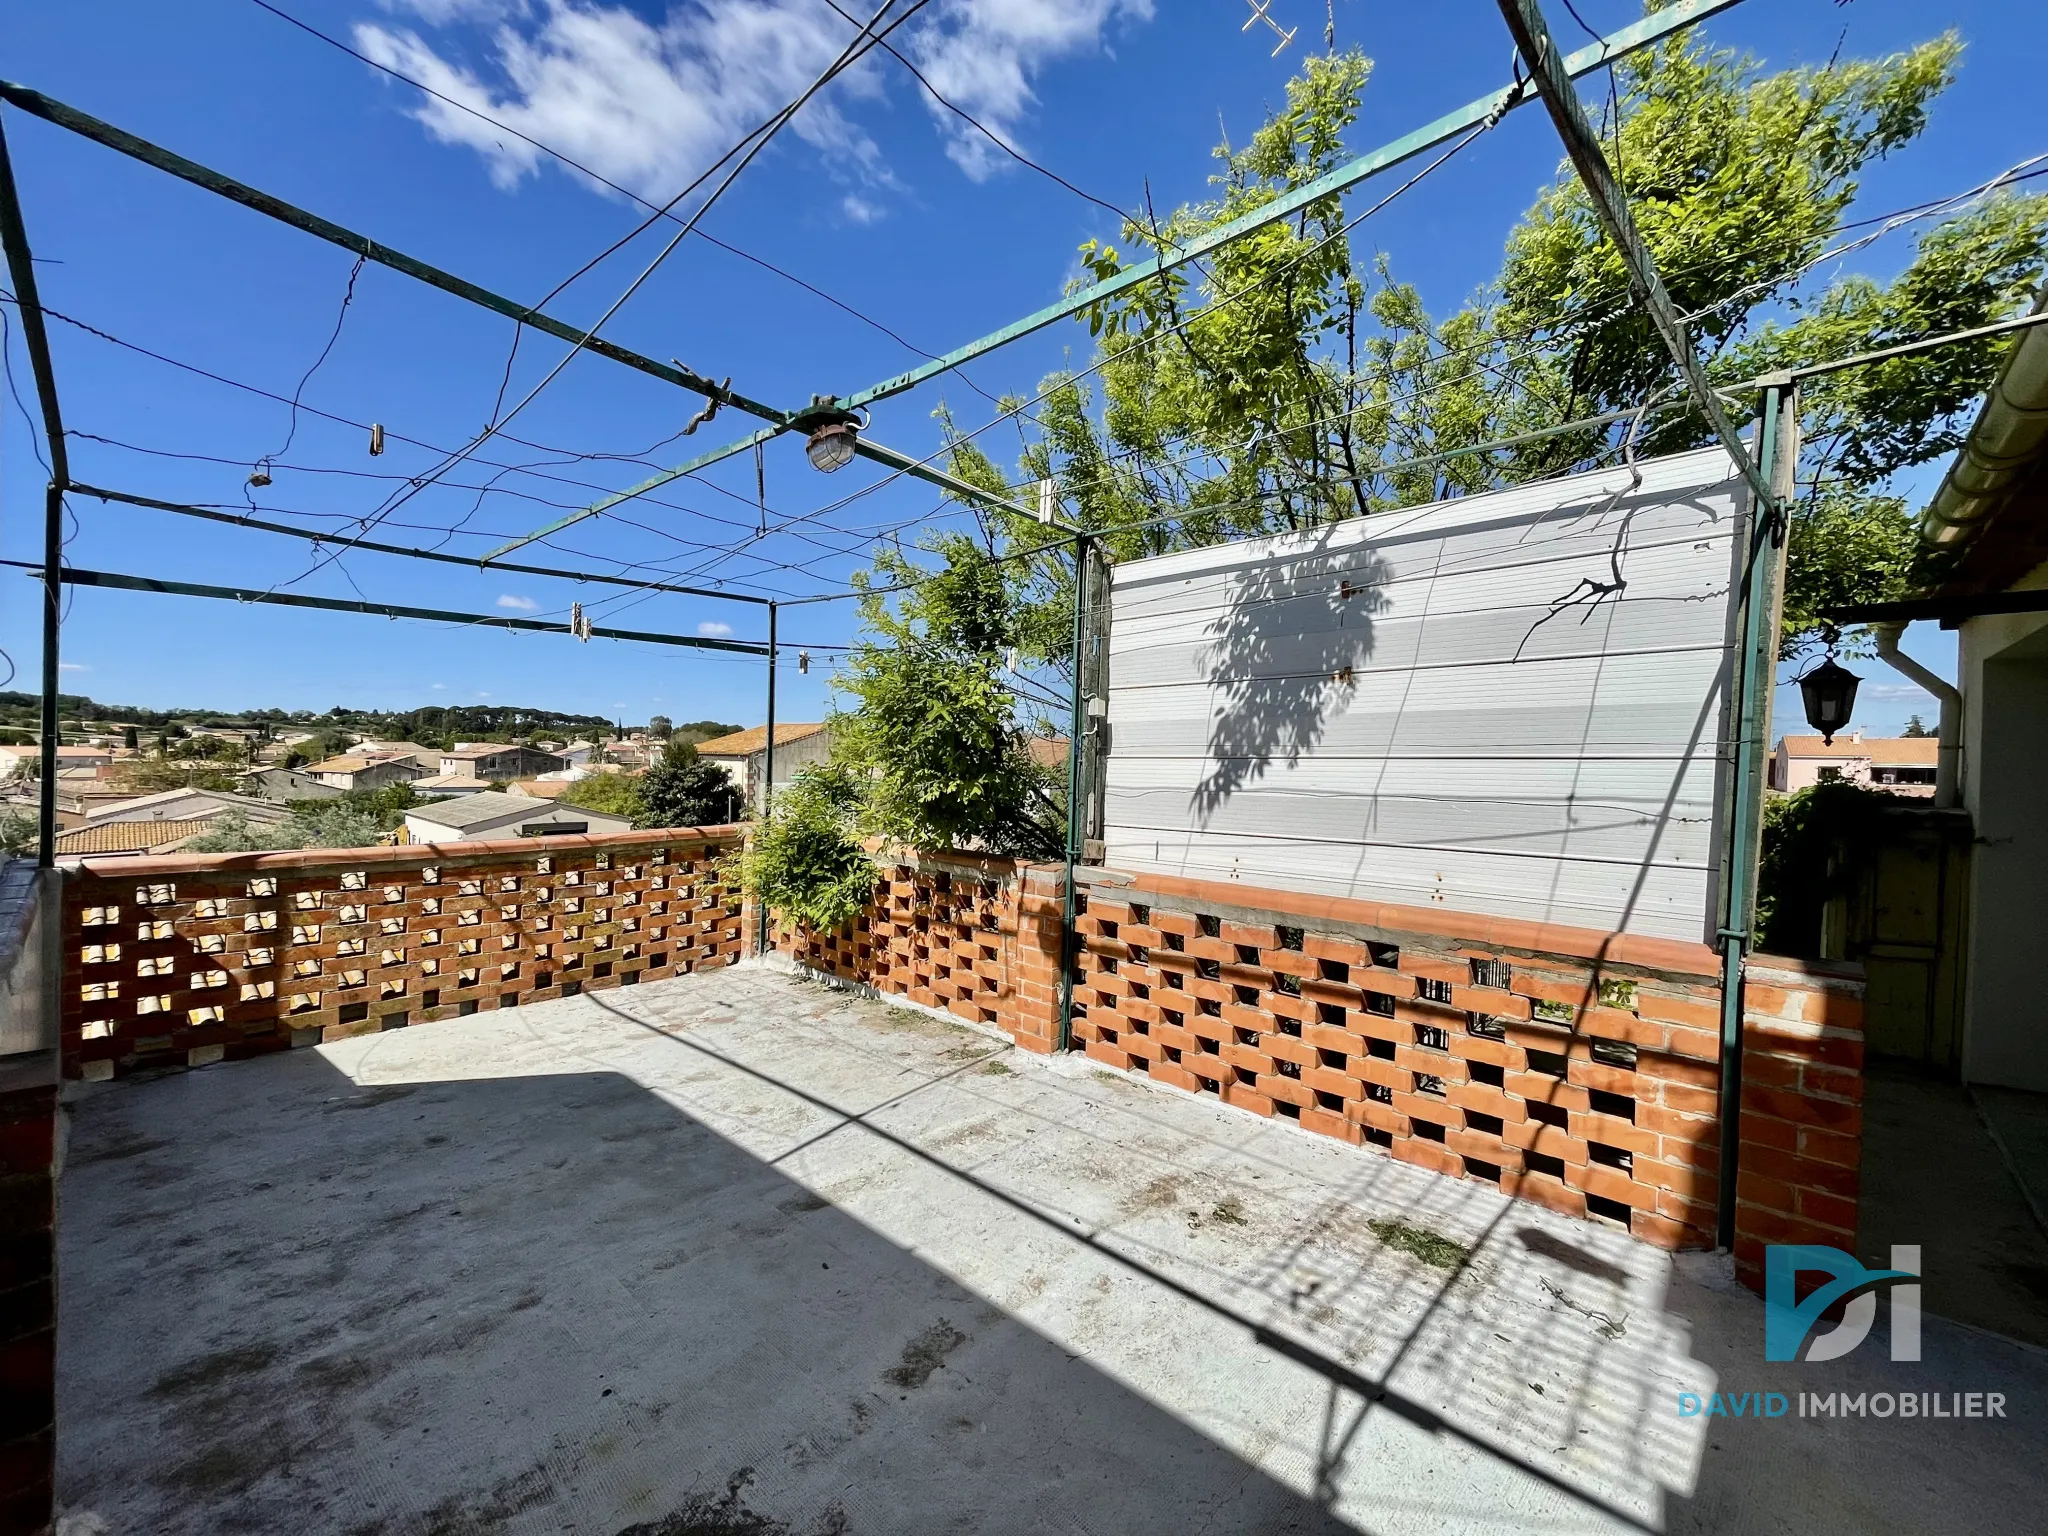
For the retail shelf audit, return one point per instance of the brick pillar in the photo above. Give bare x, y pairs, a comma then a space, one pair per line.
1035, 975
28, 1291
1802, 1108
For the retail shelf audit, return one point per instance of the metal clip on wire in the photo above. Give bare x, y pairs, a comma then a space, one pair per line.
711, 407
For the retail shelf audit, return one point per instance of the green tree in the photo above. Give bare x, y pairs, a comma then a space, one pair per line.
1915, 726
1277, 385
148, 775
936, 735
805, 860
682, 790
609, 794
312, 824
661, 727
20, 834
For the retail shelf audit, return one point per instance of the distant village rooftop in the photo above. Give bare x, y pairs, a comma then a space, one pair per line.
755, 737
151, 836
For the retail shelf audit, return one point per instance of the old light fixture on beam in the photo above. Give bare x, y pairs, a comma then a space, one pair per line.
829, 434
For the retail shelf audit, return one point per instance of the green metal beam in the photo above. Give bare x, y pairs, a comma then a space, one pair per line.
53, 111
35, 337
75, 578
1629, 39
236, 519
1616, 45
901, 463
619, 498
87, 126
1552, 80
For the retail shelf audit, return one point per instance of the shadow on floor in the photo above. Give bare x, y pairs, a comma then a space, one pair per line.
1935, 1175
563, 1263
735, 1256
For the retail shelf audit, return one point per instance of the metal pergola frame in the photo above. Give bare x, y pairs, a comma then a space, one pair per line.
1767, 468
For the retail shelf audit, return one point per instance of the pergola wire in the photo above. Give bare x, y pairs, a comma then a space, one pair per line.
1603, 53
1764, 465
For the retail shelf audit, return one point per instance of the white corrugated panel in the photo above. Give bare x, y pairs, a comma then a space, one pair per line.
1509, 704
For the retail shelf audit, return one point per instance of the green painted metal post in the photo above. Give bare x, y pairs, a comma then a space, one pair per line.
53, 625
1750, 700
767, 777
1075, 729
22, 270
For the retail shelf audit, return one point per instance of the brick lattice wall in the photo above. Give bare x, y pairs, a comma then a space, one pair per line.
1575, 1069
976, 938
195, 958
1583, 1084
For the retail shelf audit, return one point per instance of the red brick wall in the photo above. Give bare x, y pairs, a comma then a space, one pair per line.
1573, 1069
977, 938
1802, 1108
28, 1205
193, 958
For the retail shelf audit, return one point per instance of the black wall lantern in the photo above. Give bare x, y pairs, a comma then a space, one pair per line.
1830, 694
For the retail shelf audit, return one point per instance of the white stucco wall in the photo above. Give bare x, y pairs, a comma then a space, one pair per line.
2004, 667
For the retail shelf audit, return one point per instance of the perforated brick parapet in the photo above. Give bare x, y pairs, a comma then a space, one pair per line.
192, 958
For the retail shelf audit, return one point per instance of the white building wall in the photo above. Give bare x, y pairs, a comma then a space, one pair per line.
1442, 706
2003, 662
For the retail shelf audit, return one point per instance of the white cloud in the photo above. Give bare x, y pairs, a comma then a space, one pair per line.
73, 666
713, 627
982, 56
438, 13
859, 210
519, 604
440, 687
649, 104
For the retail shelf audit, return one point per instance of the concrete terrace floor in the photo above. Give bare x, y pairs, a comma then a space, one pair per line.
739, 1253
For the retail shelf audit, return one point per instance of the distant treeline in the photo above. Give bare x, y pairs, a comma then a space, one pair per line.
437, 723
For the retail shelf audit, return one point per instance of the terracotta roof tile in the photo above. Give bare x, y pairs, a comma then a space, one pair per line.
752, 739
1891, 751
128, 836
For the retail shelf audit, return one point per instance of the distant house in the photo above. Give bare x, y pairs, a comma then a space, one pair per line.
500, 761
1047, 751
441, 786
174, 805
128, 837
358, 771
15, 760
744, 757
286, 784
494, 814
428, 758
1900, 765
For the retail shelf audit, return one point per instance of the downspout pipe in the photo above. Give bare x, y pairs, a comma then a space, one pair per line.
1948, 774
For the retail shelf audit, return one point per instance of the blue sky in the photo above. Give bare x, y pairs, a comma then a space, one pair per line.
872, 197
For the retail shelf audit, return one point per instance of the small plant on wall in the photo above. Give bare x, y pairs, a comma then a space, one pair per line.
805, 860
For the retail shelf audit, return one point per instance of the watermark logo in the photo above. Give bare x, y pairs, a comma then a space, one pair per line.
1788, 1321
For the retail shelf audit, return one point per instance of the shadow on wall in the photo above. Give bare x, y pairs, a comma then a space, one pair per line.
1282, 659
